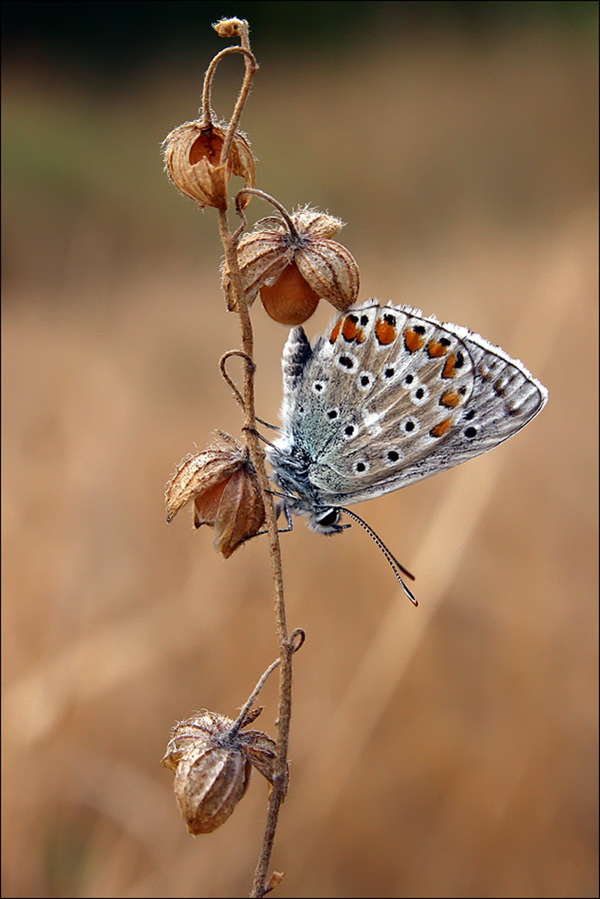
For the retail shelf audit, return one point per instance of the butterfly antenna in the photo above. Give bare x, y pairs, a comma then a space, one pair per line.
394, 563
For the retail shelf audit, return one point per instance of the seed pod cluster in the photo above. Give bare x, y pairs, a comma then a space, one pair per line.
222, 483
292, 262
212, 760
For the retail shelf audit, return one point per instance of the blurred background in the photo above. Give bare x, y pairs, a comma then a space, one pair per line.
448, 750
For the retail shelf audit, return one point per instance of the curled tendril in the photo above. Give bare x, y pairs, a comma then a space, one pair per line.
223, 367
255, 192
210, 74
295, 640
297, 637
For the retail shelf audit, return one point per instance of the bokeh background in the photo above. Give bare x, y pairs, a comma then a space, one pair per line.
449, 750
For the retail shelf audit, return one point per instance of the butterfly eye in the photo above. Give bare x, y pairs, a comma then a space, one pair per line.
328, 518
350, 431
318, 387
332, 414
470, 432
361, 467
408, 380
365, 380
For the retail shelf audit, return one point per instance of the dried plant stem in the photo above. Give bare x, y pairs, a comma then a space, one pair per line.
287, 644
297, 637
252, 66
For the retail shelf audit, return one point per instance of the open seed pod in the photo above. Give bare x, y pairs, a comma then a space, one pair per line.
222, 483
293, 266
192, 155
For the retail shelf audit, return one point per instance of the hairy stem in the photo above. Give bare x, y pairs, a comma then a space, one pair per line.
250, 68
286, 647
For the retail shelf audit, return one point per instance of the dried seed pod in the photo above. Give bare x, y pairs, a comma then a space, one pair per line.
212, 773
274, 880
212, 760
230, 27
291, 300
261, 750
295, 265
222, 483
193, 162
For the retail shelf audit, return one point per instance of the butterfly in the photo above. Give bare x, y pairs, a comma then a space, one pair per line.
388, 397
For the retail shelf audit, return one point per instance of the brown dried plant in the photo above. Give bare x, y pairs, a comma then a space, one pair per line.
291, 261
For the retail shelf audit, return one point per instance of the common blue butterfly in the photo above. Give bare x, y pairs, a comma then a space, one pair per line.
387, 397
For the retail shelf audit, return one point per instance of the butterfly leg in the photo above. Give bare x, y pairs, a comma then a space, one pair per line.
279, 508
267, 424
258, 434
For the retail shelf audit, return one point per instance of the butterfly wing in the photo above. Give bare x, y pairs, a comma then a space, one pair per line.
389, 397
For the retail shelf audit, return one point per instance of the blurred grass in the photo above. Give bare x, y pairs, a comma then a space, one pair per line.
445, 751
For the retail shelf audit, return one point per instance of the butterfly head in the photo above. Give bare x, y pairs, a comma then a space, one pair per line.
321, 519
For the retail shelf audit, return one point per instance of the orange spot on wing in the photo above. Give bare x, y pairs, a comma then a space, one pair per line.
451, 399
412, 340
442, 428
450, 366
336, 331
386, 333
436, 349
351, 331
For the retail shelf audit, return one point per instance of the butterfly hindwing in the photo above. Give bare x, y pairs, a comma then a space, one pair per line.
389, 397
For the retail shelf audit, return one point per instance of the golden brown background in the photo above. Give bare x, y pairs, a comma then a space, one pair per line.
449, 750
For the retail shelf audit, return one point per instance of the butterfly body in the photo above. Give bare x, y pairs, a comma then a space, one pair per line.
388, 397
